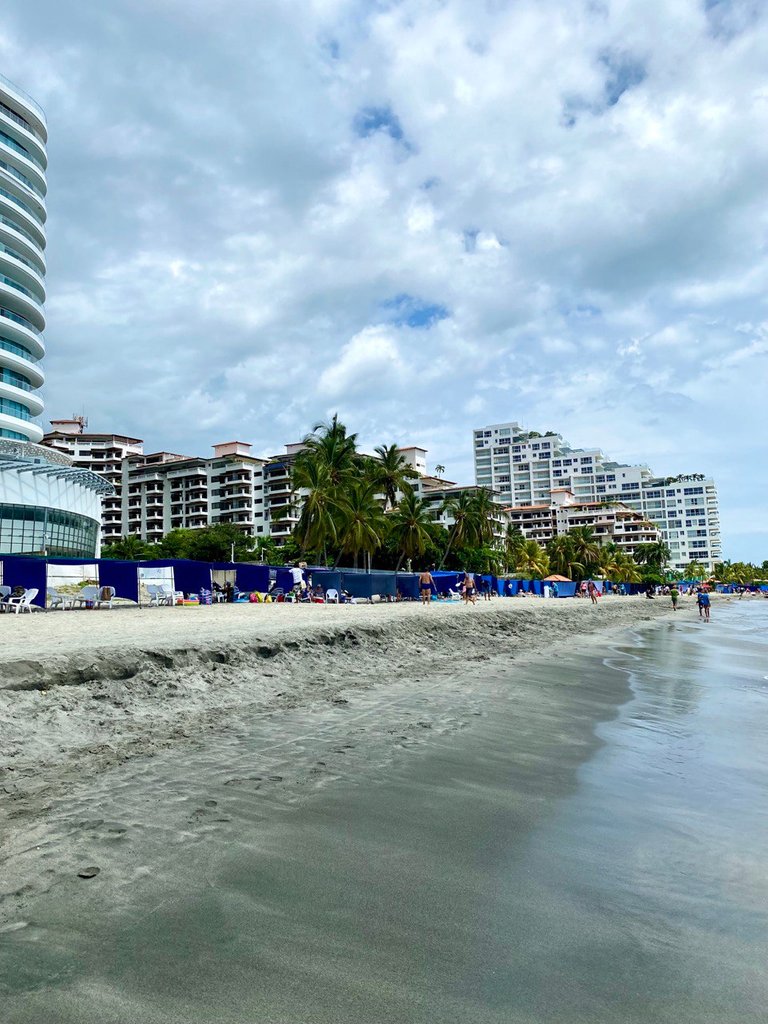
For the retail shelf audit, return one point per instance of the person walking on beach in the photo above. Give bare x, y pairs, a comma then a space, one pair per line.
592, 591
699, 603
425, 586
674, 593
704, 604
470, 589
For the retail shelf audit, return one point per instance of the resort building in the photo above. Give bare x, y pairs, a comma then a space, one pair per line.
165, 491
101, 453
149, 495
47, 505
526, 467
612, 522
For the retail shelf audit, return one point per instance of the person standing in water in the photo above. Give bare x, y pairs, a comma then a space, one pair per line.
425, 586
704, 604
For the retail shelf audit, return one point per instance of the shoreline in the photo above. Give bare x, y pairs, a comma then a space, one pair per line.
122, 685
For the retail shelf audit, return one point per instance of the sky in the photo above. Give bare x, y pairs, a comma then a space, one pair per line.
425, 215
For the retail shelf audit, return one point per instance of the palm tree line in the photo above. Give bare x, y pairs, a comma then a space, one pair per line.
364, 508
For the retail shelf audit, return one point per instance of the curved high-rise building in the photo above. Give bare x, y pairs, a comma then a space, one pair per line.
47, 506
23, 163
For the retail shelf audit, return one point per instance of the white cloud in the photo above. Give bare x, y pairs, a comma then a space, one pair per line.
368, 361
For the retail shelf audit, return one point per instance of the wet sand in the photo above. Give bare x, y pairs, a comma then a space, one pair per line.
574, 839
81, 691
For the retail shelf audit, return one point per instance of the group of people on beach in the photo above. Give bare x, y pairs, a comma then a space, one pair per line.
469, 588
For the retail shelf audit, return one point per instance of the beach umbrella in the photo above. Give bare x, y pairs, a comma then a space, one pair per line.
554, 578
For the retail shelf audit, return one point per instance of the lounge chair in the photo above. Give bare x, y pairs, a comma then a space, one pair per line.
57, 600
159, 593
23, 603
88, 595
106, 596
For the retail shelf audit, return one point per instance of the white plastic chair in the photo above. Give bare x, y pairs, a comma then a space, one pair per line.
58, 600
331, 596
106, 596
23, 603
88, 594
5, 593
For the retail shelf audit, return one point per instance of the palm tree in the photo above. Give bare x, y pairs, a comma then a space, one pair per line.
532, 560
624, 569
462, 533
410, 526
391, 473
724, 572
484, 510
513, 539
562, 557
586, 550
362, 524
439, 468
330, 445
316, 528
130, 548
695, 571
654, 554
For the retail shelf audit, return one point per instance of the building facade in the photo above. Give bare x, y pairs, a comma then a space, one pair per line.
611, 523
100, 453
153, 494
525, 467
23, 163
164, 491
47, 504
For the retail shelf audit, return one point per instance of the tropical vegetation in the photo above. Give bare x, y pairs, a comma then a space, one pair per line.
352, 508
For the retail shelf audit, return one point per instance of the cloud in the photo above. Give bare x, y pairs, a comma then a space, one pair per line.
369, 360
553, 210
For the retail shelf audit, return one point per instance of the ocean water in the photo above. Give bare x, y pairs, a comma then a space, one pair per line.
584, 840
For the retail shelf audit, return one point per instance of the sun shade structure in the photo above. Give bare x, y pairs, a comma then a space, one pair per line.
556, 579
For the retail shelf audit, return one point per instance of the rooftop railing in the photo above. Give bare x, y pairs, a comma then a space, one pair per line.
25, 98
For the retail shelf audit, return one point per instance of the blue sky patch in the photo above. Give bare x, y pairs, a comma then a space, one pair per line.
408, 311
624, 72
370, 120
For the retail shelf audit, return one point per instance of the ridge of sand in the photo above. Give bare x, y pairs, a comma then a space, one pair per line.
82, 691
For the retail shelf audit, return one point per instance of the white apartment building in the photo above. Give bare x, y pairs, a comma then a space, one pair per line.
101, 453
616, 523
526, 467
165, 491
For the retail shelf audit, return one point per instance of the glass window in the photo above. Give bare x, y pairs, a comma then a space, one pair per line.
32, 530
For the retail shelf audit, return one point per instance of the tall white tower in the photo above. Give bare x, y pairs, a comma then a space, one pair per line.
23, 162
48, 506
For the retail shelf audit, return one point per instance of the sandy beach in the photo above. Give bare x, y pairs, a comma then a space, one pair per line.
81, 691
385, 814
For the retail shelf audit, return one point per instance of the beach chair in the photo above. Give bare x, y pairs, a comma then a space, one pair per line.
5, 593
57, 600
331, 596
23, 603
159, 593
87, 596
105, 596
